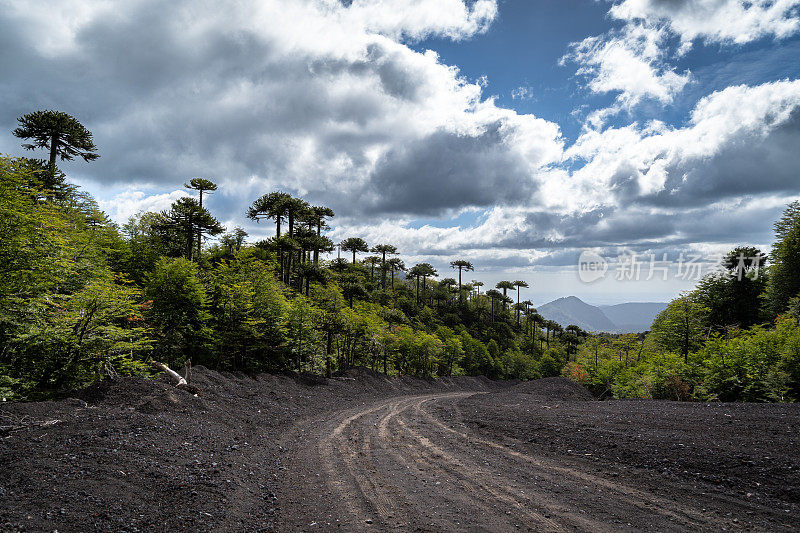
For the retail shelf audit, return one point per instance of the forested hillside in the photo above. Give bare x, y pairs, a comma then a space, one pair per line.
82, 299
735, 337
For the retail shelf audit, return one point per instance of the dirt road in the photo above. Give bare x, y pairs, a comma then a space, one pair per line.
400, 464
363, 452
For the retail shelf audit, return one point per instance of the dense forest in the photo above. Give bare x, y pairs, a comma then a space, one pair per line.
82, 299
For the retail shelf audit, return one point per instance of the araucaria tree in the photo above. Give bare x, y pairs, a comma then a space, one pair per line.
186, 217
519, 283
316, 216
395, 264
505, 286
425, 271
201, 186
59, 133
462, 266
384, 249
272, 205
355, 244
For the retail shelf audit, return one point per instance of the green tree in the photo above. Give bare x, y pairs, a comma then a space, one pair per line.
452, 351
505, 286
178, 310
88, 335
302, 335
316, 216
355, 244
733, 296
64, 315
494, 296
246, 311
59, 133
352, 287
681, 327
189, 219
462, 266
384, 249
518, 284
272, 205
477, 284
372, 260
784, 274
427, 271
201, 186
395, 264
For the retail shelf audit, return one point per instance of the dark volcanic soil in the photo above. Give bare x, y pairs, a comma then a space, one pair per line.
365, 452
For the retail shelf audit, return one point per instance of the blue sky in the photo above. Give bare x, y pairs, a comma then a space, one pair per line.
526, 41
522, 48
538, 129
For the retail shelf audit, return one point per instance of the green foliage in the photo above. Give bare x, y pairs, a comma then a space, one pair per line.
354, 245
747, 367
80, 301
60, 134
681, 327
83, 336
784, 279
733, 295
177, 302
246, 311
758, 364
517, 365
549, 365
65, 318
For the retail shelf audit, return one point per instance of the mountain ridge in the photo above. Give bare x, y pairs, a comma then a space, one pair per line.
629, 317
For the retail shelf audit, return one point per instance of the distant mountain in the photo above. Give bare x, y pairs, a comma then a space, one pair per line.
573, 310
621, 318
633, 317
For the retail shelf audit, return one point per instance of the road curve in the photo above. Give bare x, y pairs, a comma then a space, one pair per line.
395, 465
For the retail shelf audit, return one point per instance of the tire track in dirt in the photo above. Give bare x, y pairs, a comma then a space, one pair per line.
644, 501
419, 449
397, 465
383, 479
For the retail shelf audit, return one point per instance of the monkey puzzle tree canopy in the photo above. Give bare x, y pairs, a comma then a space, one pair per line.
59, 133
201, 185
355, 244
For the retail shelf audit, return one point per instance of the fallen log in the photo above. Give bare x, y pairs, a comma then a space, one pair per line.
180, 381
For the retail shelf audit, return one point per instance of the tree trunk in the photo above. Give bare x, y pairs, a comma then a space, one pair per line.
53, 154
328, 349
180, 382
383, 270
199, 234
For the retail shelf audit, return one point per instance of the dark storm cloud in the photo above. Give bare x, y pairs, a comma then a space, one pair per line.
445, 169
748, 165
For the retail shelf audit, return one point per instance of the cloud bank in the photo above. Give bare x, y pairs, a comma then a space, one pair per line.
328, 100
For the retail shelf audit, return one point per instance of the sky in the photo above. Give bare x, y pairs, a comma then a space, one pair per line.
516, 134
